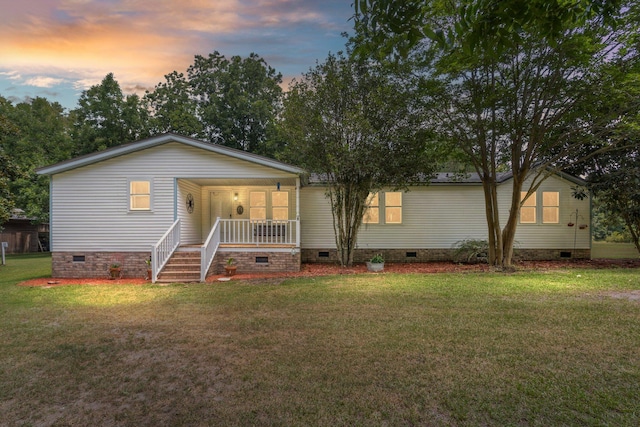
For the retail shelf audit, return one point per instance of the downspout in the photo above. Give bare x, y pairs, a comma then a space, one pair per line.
50, 214
298, 211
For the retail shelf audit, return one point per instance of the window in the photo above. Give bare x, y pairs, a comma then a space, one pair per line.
280, 205
257, 205
140, 195
528, 209
372, 211
393, 207
550, 207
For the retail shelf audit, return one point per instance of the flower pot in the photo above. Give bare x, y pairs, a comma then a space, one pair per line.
114, 273
375, 266
570, 224
149, 273
230, 270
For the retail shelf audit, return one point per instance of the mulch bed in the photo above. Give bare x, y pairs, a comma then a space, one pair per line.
313, 270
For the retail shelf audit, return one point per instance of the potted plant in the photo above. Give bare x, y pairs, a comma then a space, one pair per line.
376, 264
230, 269
115, 271
148, 262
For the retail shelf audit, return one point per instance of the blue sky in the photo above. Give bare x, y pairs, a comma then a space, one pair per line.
58, 48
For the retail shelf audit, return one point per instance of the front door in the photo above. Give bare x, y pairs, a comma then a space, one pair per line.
220, 206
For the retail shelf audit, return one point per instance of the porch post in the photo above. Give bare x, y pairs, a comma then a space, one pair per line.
297, 212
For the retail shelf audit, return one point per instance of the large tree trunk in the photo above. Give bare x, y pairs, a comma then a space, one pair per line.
509, 231
493, 221
347, 208
501, 241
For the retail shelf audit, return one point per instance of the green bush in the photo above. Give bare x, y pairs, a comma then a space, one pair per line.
619, 237
471, 251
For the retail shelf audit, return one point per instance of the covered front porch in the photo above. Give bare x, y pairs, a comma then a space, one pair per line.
254, 221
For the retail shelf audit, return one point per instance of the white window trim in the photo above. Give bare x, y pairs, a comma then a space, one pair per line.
539, 208
150, 181
382, 210
554, 206
271, 206
364, 221
401, 206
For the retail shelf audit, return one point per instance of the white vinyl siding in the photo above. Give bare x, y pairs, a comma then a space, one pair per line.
191, 223
90, 204
438, 216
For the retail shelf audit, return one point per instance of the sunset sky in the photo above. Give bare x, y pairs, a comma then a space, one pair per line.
57, 48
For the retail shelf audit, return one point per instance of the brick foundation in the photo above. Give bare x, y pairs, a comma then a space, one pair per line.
96, 264
246, 261
427, 255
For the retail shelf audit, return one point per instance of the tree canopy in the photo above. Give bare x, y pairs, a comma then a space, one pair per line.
488, 25
355, 126
105, 117
528, 105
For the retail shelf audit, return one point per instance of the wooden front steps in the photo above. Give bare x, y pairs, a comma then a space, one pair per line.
183, 266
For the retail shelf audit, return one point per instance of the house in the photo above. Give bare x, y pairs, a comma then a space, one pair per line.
189, 205
426, 222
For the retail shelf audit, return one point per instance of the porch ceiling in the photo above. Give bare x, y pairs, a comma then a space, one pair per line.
242, 182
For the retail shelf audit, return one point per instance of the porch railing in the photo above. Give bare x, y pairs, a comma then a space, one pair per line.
259, 232
162, 251
208, 250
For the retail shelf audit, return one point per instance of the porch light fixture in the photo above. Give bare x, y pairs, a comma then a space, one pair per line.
235, 197
278, 185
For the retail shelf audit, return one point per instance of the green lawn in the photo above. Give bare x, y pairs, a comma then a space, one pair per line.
535, 349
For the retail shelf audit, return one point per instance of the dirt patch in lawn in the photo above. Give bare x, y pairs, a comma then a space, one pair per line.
629, 295
314, 270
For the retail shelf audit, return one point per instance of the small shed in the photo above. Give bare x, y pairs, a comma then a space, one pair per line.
23, 234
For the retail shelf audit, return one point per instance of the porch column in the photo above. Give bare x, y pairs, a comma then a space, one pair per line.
298, 212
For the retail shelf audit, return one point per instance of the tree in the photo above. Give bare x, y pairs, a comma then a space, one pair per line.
355, 126
238, 100
8, 169
106, 118
173, 107
43, 138
617, 187
525, 107
489, 25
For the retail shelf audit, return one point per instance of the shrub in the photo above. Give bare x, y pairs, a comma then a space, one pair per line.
471, 251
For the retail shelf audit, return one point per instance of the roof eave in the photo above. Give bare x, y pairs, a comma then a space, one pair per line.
120, 150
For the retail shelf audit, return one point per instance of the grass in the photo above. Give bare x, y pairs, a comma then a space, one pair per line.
534, 348
613, 250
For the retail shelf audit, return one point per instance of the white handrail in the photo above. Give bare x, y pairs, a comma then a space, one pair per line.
209, 249
260, 232
162, 251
